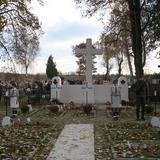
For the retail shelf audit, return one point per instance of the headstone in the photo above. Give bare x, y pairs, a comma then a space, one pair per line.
6, 121
155, 122
57, 80
56, 87
30, 107
28, 120
122, 82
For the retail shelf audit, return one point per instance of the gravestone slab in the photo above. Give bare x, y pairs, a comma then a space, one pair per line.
76, 142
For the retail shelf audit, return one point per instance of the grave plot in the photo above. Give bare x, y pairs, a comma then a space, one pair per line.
127, 125
139, 149
139, 134
102, 146
131, 140
35, 140
22, 140
26, 141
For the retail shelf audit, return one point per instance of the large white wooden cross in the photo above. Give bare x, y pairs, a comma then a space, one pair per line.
89, 51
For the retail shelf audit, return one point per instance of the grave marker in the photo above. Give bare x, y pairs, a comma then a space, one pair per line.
76, 142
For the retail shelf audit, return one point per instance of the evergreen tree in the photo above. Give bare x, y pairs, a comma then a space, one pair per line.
51, 69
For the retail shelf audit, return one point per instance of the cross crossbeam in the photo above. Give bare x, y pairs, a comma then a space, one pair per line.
89, 51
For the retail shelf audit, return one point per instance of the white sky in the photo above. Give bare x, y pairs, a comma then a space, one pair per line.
63, 27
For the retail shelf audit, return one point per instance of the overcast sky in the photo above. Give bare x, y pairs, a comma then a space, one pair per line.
63, 27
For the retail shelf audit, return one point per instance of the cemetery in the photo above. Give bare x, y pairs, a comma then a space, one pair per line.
77, 123
90, 100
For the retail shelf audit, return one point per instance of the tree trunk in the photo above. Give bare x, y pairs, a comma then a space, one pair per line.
120, 61
128, 57
144, 52
26, 70
135, 18
107, 70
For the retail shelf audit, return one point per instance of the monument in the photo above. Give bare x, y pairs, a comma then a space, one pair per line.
89, 51
87, 93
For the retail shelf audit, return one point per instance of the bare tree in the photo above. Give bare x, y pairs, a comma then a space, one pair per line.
15, 15
26, 48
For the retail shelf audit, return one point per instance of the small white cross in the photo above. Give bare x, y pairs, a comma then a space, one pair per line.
57, 88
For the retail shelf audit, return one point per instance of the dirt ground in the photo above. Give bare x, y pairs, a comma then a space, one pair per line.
123, 139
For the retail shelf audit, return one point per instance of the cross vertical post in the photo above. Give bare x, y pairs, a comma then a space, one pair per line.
87, 88
56, 92
88, 71
56, 89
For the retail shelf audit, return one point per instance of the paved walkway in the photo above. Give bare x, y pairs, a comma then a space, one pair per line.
76, 142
